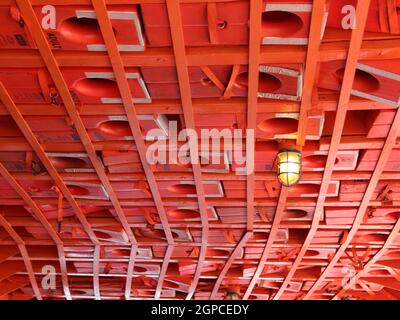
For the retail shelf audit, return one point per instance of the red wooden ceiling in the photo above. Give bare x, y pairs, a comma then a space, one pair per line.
78, 197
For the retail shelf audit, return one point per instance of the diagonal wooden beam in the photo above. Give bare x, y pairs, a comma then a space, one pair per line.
279, 212
96, 272
38, 214
362, 209
119, 71
64, 271
344, 98
235, 253
129, 272
374, 260
252, 100
24, 253
317, 19
252, 104
34, 26
28, 200
7, 286
34, 143
163, 271
175, 21
311, 68
122, 82
376, 176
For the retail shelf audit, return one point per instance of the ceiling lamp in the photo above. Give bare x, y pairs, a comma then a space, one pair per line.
232, 296
232, 293
289, 167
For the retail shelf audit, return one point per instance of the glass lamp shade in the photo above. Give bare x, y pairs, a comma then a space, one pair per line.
232, 296
289, 167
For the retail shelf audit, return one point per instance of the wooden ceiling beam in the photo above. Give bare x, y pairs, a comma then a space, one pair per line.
224, 55
39, 215
344, 98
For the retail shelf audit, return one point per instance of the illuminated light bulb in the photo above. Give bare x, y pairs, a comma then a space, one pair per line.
289, 167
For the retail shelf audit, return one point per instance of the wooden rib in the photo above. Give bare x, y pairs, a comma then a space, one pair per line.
119, 71
389, 241
175, 20
229, 263
64, 271
163, 271
129, 273
310, 73
318, 13
96, 271
252, 100
33, 142
38, 214
54, 70
37, 33
353, 54
279, 212
383, 158
25, 196
24, 253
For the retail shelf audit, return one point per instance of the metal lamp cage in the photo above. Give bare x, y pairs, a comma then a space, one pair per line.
289, 167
